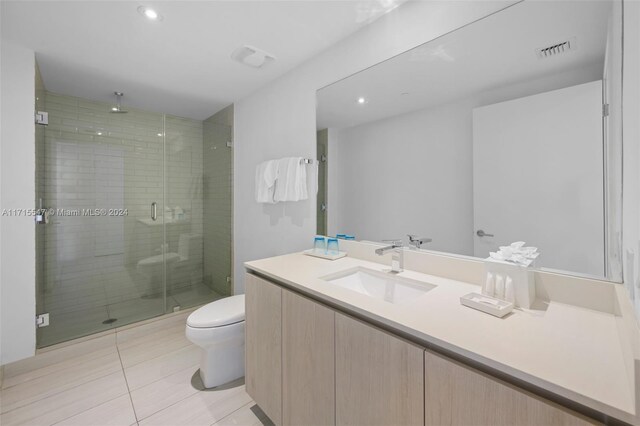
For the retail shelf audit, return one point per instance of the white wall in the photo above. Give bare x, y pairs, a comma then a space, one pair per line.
612, 126
279, 120
1, 317
17, 171
408, 174
631, 149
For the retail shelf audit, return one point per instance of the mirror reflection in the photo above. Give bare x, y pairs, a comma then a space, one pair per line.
507, 129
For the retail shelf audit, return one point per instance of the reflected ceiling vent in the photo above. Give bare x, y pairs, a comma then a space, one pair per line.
557, 49
252, 56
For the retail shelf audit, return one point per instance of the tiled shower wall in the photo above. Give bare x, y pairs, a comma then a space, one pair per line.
183, 187
218, 175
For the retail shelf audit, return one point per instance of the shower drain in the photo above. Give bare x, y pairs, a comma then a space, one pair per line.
110, 321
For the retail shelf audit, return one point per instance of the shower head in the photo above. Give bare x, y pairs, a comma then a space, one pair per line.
118, 108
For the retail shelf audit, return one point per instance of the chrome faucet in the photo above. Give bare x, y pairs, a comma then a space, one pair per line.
415, 242
397, 259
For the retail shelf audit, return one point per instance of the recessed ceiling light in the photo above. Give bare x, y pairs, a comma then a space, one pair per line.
114, 108
149, 13
362, 100
99, 133
160, 134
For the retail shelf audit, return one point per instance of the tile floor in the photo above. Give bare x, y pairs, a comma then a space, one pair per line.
144, 374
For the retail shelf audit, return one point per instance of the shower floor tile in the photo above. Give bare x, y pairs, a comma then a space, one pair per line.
91, 382
133, 310
80, 306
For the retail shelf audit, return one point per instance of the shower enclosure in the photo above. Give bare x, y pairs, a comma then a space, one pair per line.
138, 214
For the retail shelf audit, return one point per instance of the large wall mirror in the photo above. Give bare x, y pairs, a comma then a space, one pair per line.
507, 129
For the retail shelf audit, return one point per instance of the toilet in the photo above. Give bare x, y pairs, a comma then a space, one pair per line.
218, 328
189, 245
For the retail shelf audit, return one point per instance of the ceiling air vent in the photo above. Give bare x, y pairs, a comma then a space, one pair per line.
252, 56
557, 48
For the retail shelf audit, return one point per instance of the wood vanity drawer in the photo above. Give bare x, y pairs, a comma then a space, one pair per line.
456, 394
308, 361
379, 377
263, 345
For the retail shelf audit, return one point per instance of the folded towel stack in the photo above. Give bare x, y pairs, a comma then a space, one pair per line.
516, 253
281, 180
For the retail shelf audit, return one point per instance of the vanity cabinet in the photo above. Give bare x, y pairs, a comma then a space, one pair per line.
379, 377
263, 345
308, 361
309, 364
456, 394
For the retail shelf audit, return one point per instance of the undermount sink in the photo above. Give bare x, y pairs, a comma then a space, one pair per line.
379, 285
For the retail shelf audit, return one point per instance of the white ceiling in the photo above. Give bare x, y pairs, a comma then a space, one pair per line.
491, 53
181, 65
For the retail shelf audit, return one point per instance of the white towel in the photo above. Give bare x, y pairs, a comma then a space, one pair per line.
292, 180
266, 175
271, 173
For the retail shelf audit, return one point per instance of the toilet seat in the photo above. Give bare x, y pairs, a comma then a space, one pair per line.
222, 312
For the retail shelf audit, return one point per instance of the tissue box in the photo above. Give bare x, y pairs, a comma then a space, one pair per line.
523, 280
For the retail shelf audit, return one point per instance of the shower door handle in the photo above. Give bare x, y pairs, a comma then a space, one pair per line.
154, 211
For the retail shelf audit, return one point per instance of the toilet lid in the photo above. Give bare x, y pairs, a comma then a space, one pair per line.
225, 311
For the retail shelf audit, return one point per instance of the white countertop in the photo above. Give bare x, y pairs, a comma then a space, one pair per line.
571, 351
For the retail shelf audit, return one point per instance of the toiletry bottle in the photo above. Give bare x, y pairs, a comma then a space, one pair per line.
509, 290
489, 285
499, 293
179, 213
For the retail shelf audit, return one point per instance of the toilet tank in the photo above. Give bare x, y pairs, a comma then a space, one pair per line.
190, 247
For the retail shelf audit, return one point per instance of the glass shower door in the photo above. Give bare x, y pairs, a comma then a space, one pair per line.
102, 252
185, 193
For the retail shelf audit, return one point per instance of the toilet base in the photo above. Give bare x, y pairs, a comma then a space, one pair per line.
222, 365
